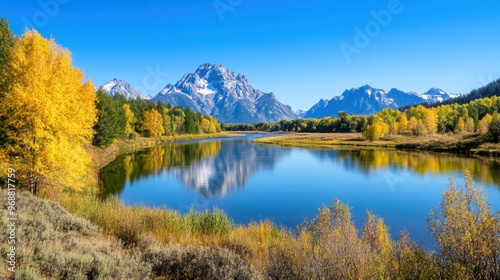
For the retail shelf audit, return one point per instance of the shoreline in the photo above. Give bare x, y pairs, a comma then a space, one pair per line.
103, 156
466, 144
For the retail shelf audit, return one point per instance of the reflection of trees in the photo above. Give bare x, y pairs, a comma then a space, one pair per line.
230, 168
483, 169
212, 168
152, 161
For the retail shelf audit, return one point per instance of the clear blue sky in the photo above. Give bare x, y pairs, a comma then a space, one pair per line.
291, 48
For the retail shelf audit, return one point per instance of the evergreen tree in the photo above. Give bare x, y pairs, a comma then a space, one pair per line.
111, 121
6, 44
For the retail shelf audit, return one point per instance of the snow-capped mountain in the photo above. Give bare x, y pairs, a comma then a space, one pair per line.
216, 91
368, 100
231, 168
120, 86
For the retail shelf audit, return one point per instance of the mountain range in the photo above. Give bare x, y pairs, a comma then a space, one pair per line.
367, 100
216, 91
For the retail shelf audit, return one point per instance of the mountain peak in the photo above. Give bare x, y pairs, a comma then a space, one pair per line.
115, 86
436, 91
214, 90
209, 66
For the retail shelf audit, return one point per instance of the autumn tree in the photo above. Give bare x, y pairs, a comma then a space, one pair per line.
412, 124
467, 233
430, 120
469, 125
376, 130
376, 236
52, 112
460, 127
152, 123
484, 124
129, 121
403, 123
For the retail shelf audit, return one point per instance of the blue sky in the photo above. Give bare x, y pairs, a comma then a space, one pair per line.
302, 51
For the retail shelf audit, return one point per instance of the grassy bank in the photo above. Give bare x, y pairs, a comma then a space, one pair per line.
140, 243
54, 244
463, 143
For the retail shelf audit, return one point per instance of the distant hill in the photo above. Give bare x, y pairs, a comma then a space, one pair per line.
488, 90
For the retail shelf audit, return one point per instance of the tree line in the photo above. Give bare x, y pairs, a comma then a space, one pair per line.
120, 118
50, 115
477, 116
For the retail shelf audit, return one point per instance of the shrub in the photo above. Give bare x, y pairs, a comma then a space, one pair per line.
196, 262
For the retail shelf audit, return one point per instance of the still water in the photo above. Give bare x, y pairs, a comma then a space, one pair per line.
253, 182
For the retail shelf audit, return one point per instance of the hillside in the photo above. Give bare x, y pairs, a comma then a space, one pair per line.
54, 244
489, 90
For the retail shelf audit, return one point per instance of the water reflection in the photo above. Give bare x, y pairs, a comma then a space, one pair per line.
230, 168
211, 168
149, 162
486, 170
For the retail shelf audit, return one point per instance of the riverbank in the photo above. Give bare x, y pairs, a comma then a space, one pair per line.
451, 143
103, 156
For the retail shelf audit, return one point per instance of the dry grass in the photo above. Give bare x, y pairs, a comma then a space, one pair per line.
463, 143
53, 244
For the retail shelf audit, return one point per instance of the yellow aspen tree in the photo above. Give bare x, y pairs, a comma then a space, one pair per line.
205, 125
403, 123
376, 130
484, 124
460, 128
469, 125
152, 123
130, 123
430, 120
412, 124
52, 111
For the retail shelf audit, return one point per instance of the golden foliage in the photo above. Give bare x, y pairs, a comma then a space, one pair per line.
403, 123
152, 123
484, 124
460, 128
467, 232
131, 119
376, 130
49, 111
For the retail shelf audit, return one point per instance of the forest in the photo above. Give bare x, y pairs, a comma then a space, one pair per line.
50, 116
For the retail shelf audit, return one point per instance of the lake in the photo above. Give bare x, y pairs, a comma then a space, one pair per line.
253, 182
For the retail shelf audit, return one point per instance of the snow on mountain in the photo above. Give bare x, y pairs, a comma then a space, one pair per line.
367, 100
120, 86
214, 90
